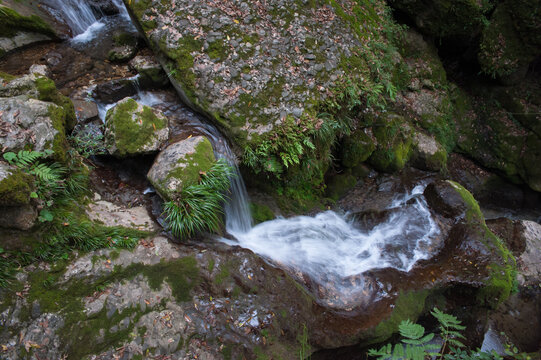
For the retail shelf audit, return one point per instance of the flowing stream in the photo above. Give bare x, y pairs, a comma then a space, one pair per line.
329, 247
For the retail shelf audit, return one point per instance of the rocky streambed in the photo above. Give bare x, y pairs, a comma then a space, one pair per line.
395, 228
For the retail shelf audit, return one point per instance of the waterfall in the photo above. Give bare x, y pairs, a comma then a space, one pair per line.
78, 15
85, 22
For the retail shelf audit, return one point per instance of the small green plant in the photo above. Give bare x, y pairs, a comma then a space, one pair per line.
303, 340
415, 345
49, 176
88, 143
198, 207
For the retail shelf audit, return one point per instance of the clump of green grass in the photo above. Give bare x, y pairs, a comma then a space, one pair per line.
198, 207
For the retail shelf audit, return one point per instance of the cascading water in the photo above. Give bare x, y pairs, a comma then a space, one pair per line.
84, 21
329, 248
78, 15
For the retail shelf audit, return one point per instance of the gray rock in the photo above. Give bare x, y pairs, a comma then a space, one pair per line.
428, 154
20, 40
150, 71
85, 110
26, 121
179, 164
18, 217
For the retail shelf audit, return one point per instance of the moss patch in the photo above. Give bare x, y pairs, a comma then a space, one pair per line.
16, 188
261, 212
201, 159
133, 129
12, 22
502, 273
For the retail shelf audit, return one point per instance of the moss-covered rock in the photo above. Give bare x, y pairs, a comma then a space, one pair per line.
511, 40
134, 129
251, 75
260, 212
498, 130
180, 164
428, 154
15, 186
394, 143
356, 148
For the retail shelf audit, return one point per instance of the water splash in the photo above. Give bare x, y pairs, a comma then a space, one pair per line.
334, 252
85, 22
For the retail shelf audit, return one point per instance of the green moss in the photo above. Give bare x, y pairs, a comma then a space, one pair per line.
133, 129
502, 277
60, 143
407, 306
16, 188
12, 22
5, 76
261, 212
189, 167
356, 149
47, 91
339, 185
394, 147
224, 274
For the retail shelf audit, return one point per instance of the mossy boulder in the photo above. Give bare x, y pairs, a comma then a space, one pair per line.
17, 31
511, 41
15, 186
471, 240
134, 129
357, 148
428, 154
495, 135
124, 47
249, 72
180, 164
394, 143
37, 111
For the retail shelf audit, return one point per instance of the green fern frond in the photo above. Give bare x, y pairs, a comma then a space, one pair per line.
410, 330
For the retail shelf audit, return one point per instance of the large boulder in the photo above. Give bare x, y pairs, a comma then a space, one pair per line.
180, 164
134, 129
22, 25
257, 66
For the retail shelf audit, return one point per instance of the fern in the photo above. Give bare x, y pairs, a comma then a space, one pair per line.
450, 329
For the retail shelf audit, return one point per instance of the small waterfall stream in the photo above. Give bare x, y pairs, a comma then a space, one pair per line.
329, 247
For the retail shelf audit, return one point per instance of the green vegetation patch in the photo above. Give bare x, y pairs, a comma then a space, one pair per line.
503, 272
16, 188
12, 22
133, 129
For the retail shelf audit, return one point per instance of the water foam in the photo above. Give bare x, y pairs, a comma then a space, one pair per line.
331, 249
